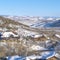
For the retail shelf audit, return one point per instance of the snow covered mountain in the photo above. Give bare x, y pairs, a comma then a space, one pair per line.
53, 24
37, 22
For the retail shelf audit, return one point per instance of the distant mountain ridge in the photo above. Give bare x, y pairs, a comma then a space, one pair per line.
7, 24
53, 24
35, 22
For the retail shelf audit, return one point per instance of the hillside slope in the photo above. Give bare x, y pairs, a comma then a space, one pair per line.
53, 24
8, 24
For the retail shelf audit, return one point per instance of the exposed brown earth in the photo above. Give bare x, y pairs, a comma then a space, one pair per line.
20, 47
